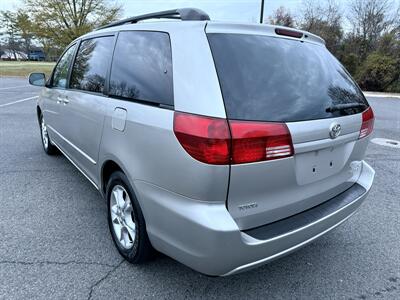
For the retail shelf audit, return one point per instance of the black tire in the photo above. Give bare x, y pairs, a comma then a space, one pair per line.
141, 250
48, 147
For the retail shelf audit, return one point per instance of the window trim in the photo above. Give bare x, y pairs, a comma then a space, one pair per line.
78, 44
105, 89
108, 75
141, 101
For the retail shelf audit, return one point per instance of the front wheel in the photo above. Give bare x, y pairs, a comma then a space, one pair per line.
126, 221
48, 147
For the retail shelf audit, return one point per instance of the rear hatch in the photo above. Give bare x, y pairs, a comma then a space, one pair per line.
295, 85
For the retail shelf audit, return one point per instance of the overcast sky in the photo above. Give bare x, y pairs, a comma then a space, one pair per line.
239, 10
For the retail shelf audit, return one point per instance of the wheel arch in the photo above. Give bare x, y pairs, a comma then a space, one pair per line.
108, 167
38, 112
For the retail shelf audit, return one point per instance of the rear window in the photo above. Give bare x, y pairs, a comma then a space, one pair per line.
280, 80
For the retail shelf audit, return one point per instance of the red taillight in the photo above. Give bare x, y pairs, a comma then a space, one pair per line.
205, 139
367, 123
209, 140
259, 141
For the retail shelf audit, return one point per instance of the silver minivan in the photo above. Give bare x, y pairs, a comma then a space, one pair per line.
221, 145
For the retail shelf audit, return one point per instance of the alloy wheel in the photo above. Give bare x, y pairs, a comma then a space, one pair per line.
45, 136
122, 217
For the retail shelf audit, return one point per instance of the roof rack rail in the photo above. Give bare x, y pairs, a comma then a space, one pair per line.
184, 14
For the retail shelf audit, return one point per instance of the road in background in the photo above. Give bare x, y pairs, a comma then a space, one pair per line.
55, 243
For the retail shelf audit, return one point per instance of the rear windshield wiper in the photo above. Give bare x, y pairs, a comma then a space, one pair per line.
339, 107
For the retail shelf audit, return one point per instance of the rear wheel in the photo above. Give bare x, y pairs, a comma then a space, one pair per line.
126, 221
48, 147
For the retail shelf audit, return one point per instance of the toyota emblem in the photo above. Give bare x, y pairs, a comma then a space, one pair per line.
335, 130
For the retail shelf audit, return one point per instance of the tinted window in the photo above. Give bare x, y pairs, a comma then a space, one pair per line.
91, 64
142, 67
61, 70
274, 79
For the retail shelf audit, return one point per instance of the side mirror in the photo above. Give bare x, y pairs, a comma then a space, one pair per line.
38, 79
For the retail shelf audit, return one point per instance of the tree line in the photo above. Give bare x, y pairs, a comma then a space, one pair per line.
53, 24
364, 35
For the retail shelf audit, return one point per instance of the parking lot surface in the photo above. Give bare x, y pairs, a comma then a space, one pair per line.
55, 242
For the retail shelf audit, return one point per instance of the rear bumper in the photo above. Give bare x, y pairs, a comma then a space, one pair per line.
203, 235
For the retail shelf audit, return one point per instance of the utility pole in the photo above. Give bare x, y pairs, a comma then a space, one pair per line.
262, 12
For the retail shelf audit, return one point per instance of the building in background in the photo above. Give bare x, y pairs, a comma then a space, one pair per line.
8, 54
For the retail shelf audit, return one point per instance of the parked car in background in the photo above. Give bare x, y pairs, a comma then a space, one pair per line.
36, 55
222, 145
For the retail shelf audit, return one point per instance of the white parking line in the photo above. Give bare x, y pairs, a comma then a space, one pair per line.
18, 101
14, 87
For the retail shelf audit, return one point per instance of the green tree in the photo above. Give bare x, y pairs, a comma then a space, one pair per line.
350, 61
389, 44
58, 22
18, 31
10, 32
24, 28
378, 72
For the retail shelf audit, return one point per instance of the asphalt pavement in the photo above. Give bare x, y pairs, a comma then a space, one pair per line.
55, 242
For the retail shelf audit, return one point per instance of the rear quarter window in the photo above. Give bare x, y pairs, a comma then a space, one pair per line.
142, 67
266, 78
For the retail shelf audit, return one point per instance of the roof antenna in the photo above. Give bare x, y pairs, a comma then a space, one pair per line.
262, 12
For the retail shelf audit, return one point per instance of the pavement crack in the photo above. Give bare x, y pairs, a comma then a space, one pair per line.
97, 283
47, 262
392, 286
